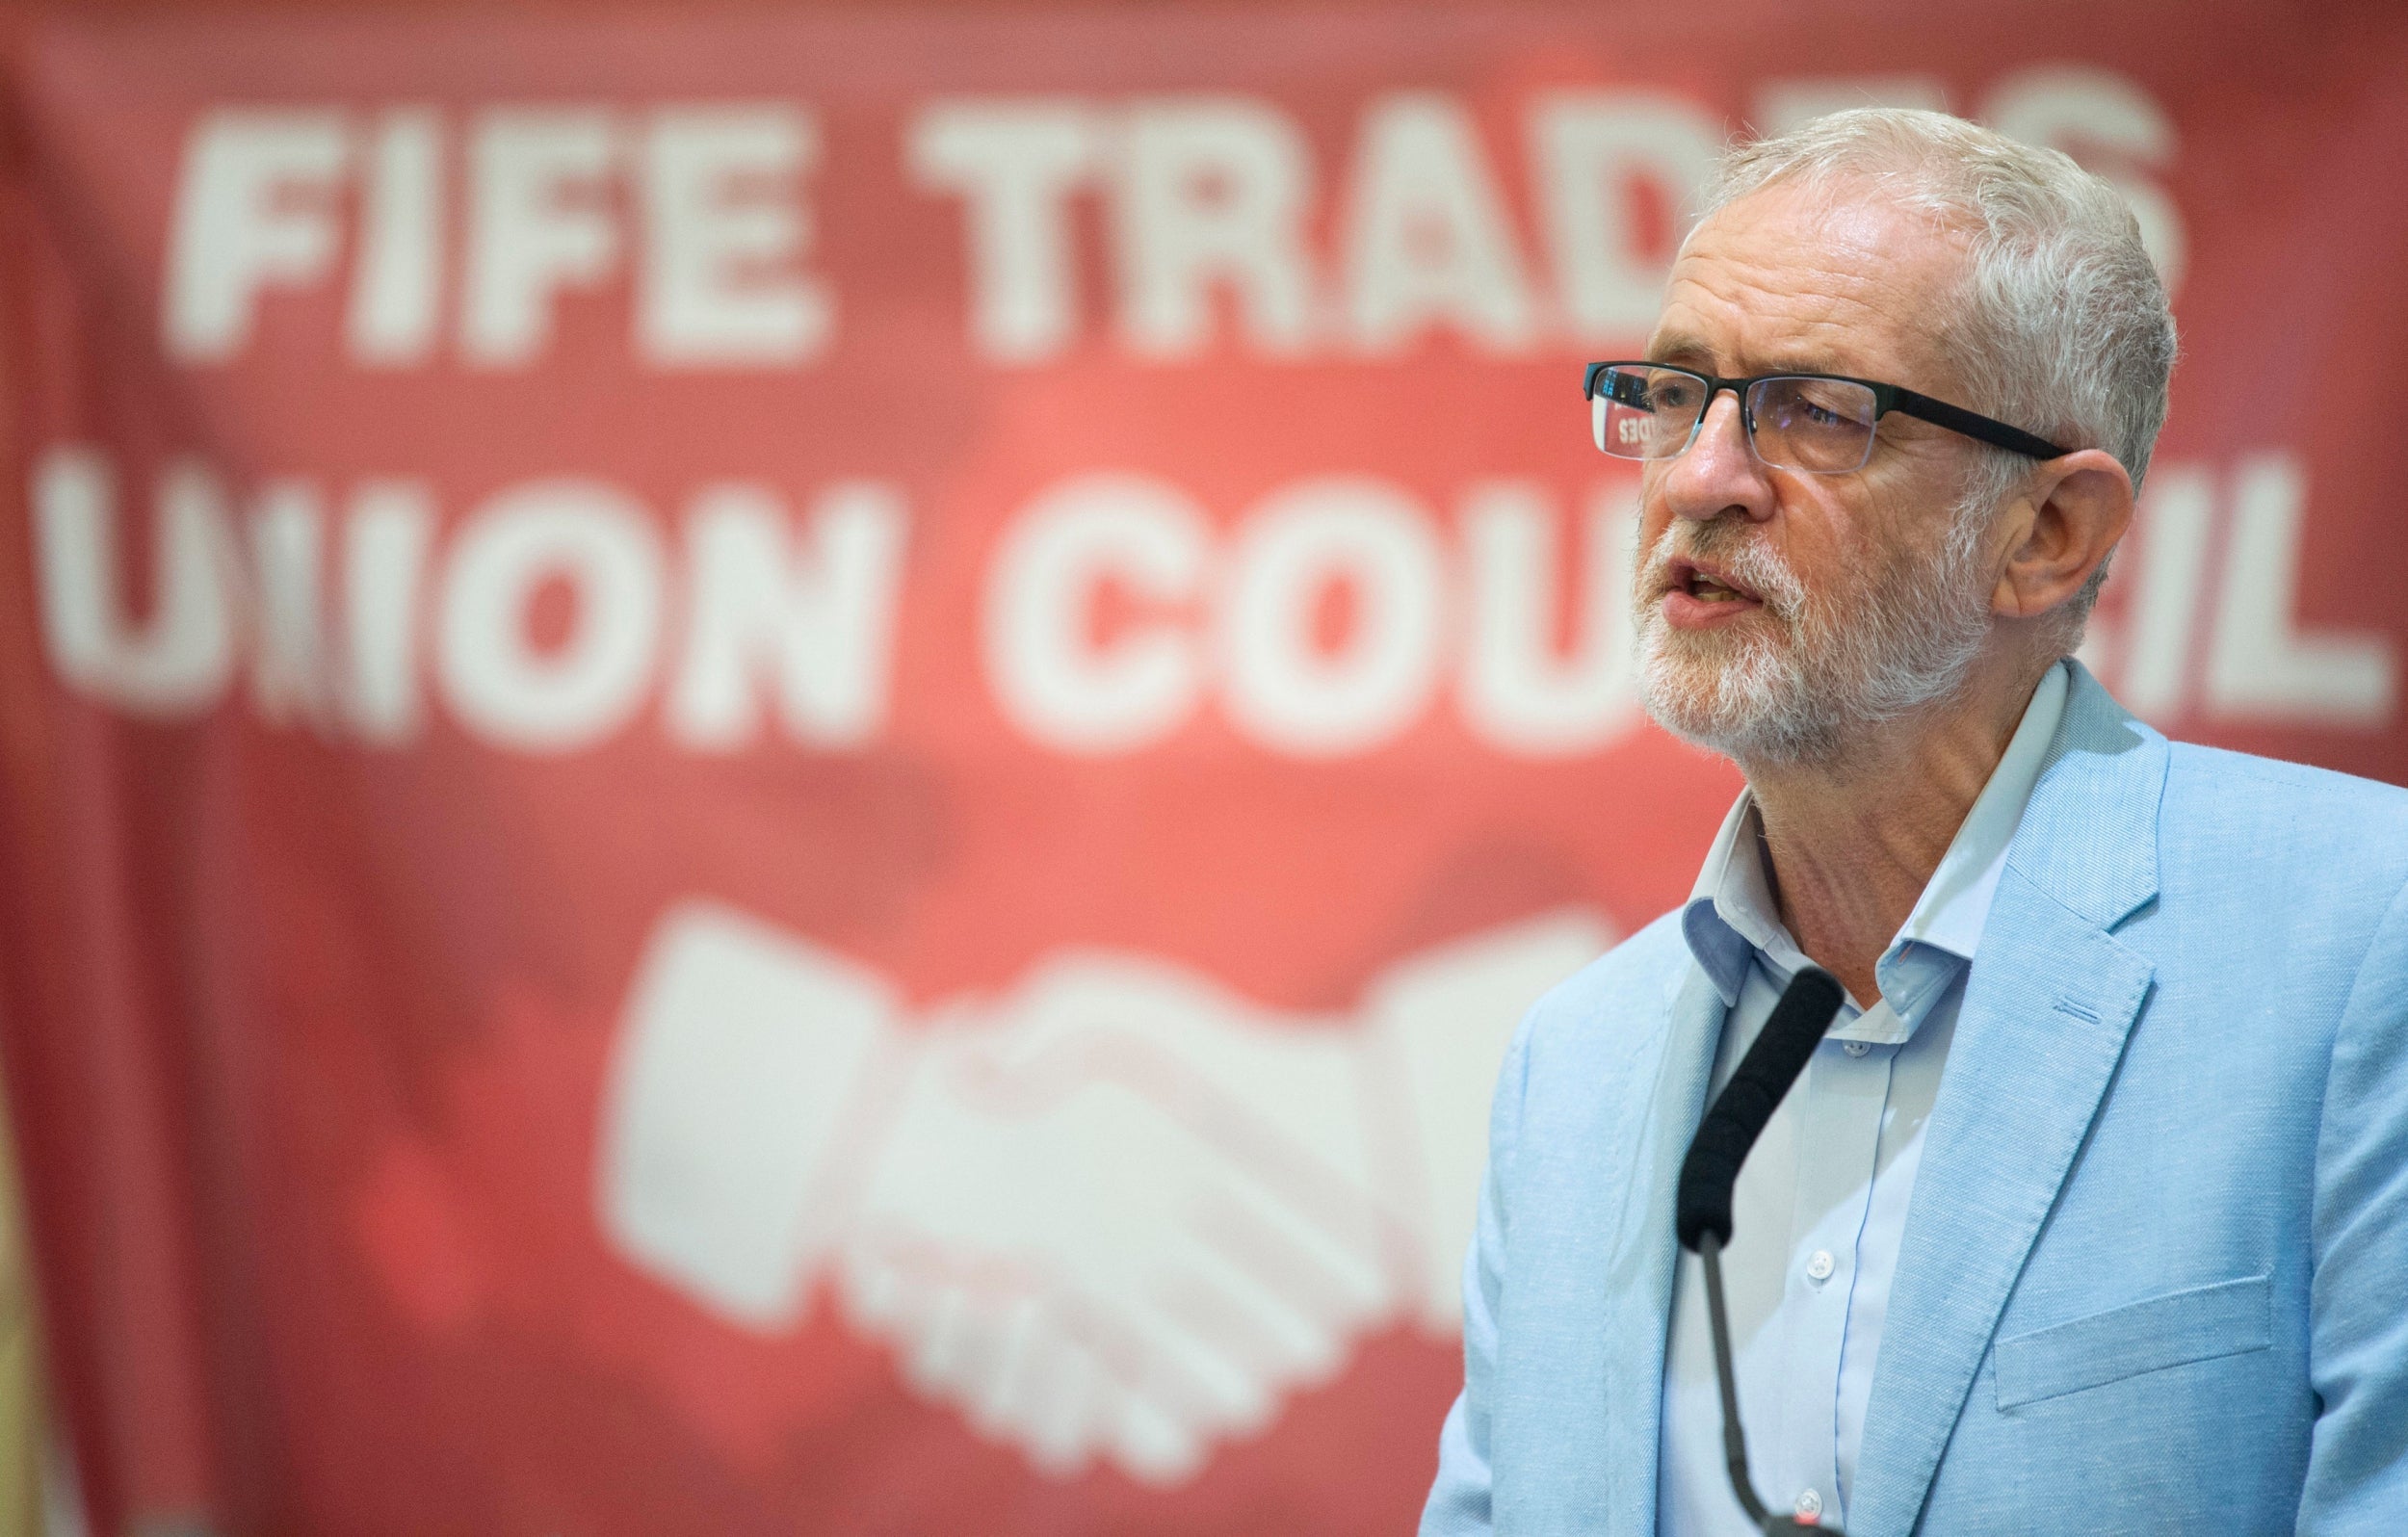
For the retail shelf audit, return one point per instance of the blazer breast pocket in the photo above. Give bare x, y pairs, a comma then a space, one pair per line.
2229, 1319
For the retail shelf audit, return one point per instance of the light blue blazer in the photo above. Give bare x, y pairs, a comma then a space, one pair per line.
2155, 1275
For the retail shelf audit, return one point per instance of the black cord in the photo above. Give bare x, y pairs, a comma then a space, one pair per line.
1734, 1439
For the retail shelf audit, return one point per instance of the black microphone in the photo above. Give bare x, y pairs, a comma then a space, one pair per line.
1780, 1052
1702, 1209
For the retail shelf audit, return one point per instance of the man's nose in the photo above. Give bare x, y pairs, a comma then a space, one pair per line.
1719, 474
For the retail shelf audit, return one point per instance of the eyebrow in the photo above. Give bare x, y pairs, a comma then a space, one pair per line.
1679, 348
1684, 350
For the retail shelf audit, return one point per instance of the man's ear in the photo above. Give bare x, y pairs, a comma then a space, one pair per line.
2059, 530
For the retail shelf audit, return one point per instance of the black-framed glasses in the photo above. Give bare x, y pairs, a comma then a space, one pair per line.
1819, 423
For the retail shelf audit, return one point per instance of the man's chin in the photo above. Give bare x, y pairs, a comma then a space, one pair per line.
1700, 717
1710, 663
1736, 701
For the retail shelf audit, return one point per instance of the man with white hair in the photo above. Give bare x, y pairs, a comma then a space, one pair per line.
2090, 1213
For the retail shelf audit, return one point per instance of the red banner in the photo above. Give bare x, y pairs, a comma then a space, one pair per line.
782, 774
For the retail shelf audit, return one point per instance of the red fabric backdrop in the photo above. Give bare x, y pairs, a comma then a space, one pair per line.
790, 772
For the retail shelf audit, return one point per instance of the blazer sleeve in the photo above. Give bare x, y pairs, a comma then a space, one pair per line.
1459, 1500
2358, 1299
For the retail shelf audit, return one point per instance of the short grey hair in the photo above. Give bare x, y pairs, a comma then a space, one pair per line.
2062, 325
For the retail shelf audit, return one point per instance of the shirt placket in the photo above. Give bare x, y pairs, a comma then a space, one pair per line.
1837, 1142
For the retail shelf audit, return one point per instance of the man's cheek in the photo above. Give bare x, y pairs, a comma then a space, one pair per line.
1654, 515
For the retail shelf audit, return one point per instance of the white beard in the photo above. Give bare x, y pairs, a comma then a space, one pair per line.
1802, 688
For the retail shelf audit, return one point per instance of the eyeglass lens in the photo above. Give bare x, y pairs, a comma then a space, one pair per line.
1822, 426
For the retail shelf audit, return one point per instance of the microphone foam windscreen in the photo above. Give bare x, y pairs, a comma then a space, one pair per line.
1779, 1053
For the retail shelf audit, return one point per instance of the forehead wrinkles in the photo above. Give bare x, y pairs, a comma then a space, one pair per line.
1799, 277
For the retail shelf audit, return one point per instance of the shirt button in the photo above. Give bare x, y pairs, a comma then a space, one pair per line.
1808, 1505
1856, 1048
1819, 1268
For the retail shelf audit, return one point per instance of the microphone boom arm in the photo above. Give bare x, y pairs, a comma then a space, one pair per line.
1734, 1439
1711, 1172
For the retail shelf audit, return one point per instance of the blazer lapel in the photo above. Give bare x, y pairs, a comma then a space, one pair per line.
2051, 996
1640, 1263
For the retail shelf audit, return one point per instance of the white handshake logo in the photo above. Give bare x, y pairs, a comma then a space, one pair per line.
1114, 1211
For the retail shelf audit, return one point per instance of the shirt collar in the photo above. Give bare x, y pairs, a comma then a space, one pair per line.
1730, 920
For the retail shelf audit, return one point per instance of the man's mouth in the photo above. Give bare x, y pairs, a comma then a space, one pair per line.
1708, 585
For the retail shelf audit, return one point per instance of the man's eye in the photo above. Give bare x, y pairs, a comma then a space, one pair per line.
1822, 409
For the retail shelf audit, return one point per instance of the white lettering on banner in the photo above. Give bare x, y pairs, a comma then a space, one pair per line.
691, 217
1518, 695
1593, 150
288, 673
2175, 521
254, 209
2190, 646
1015, 164
807, 603
1782, 105
178, 662
718, 286
2114, 128
398, 280
1043, 1177
1347, 535
1246, 617
182, 663
567, 696
1210, 191
536, 226
1214, 190
386, 545
2259, 664
717, 275
1060, 686
1322, 623
820, 619
1428, 241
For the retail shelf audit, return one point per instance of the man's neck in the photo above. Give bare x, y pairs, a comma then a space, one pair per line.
1854, 845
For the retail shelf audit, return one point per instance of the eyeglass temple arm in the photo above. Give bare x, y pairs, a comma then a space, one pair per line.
1973, 423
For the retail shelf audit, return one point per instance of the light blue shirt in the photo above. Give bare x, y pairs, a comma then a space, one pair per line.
1821, 1201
